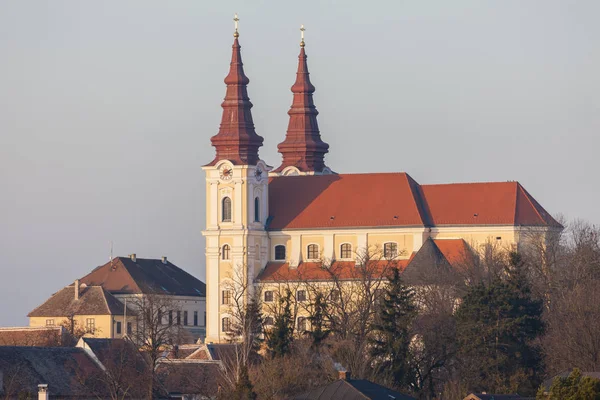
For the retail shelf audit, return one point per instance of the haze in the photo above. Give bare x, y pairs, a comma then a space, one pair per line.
107, 107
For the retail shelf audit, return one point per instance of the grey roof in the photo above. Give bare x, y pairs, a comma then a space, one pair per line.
353, 389
122, 275
180, 377
61, 368
93, 300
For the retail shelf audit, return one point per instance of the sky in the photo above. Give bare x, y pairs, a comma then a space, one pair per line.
107, 107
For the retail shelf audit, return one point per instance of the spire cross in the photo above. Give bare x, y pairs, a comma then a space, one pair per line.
236, 20
302, 35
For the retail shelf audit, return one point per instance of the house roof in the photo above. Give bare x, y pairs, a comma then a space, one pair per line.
46, 336
314, 271
62, 368
352, 389
93, 300
122, 275
397, 200
190, 377
489, 396
454, 254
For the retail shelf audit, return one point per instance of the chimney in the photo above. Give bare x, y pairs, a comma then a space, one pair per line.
132, 256
43, 392
76, 284
164, 260
342, 372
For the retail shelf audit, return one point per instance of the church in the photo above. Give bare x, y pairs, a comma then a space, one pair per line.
268, 224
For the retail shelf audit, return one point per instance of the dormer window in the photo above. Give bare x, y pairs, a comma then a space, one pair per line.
226, 210
280, 252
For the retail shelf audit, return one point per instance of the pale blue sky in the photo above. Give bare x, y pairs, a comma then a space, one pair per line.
107, 107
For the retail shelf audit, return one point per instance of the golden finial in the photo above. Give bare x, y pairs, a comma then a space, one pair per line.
235, 20
302, 35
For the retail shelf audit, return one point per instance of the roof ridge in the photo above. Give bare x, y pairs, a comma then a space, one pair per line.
531, 202
470, 183
355, 388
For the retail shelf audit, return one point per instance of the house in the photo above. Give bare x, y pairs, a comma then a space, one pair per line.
84, 309
353, 389
302, 222
131, 278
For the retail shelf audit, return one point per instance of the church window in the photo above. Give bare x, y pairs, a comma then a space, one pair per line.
256, 209
346, 250
313, 251
226, 217
280, 252
226, 324
226, 252
301, 295
390, 250
268, 296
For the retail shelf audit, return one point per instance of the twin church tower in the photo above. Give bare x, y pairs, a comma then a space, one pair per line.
237, 196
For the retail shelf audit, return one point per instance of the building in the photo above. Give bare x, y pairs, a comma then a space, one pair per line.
105, 302
265, 224
83, 309
350, 389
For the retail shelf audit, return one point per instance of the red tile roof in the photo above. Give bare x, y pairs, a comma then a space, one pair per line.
456, 251
314, 271
49, 336
395, 199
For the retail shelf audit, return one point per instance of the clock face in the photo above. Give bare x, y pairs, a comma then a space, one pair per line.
258, 173
225, 173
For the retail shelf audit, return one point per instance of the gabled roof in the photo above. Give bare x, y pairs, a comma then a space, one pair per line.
44, 336
438, 255
93, 300
396, 200
123, 275
314, 271
345, 200
62, 368
353, 389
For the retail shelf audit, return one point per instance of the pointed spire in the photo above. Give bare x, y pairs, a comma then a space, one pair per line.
303, 147
237, 140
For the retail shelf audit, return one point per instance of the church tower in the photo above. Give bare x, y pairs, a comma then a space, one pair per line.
236, 202
303, 150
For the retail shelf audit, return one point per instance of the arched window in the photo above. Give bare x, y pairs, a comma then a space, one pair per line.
313, 251
226, 217
256, 209
226, 252
226, 324
280, 252
346, 250
390, 250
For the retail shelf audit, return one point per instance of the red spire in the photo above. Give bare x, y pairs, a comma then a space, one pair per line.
303, 147
236, 141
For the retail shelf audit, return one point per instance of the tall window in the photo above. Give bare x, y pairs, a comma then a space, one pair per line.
195, 318
226, 324
268, 296
178, 317
346, 250
256, 209
301, 324
390, 250
90, 325
280, 252
185, 317
160, 317
129, 328
226, 252
226, 217
313, 251
118, 327
226, 297
170, 318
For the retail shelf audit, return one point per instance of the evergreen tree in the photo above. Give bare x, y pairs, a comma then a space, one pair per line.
279, 339
391, 331
496, 328
243, 389
573, 387
318, 332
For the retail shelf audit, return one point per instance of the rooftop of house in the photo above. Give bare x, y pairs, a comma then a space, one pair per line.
353, 389
45, 336
61, 368
91, 300
132, 275
490, 396
397, 200
190, 377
